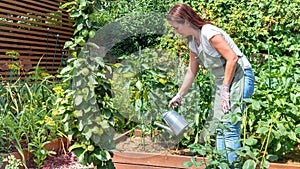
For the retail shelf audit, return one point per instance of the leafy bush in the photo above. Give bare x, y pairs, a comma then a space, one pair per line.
274, 112
255, 24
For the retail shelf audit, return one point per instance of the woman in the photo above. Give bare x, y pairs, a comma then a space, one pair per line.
213, 49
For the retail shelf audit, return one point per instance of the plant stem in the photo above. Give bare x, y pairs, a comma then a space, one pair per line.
267, 143
244, 125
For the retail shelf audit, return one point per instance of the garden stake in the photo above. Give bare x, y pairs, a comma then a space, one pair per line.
269, 66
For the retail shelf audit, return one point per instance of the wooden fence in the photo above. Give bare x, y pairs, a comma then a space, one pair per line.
32, 32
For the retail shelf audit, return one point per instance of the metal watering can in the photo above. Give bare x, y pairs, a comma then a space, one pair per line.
176, 122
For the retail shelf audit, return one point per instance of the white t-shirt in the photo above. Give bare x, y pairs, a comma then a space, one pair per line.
208, 31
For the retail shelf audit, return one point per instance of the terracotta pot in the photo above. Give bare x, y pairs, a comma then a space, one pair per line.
26, 154
58, 145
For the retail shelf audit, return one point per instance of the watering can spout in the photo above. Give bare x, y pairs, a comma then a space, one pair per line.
163, 126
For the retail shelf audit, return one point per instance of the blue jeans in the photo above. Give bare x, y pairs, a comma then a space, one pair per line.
229, 139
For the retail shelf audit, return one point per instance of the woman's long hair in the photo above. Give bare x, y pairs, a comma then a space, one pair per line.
182, 12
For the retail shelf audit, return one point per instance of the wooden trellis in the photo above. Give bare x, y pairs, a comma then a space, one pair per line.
32, 33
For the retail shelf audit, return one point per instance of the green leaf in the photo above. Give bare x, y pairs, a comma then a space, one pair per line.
266, 164
79, 27
272, 157
79, 40
262, 130
251, 141
85, 71
234, 119
68, 4
104, 124
75, 146
68, 44
75, 14
85, 33
66, 69
187, 164
139, 85
278, 146
249, 164
138, 105
297, 130
292, 136
87, 133
256, 105
97, 130
78, 100
102, 155
223, 166
198, 165
281, 128
88, 23
79, 113
81, 157
92, 80
82, 4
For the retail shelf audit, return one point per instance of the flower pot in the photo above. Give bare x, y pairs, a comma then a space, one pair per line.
58, 145
26, 154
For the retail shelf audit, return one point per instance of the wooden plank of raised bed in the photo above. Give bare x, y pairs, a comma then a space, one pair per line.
284, 166
150, 159
133, 166
141, 159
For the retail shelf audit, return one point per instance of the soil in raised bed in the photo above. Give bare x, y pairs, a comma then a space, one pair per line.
158, 145
162, 144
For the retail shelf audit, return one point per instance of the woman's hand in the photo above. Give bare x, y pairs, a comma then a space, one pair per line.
225, 98
176, 100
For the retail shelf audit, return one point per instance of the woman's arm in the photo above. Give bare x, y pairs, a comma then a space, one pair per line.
187, 82
220, 44
190, 74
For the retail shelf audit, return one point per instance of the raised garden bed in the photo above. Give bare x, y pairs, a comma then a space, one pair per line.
148, 153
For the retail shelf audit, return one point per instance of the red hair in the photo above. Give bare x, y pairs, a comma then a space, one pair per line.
182, 12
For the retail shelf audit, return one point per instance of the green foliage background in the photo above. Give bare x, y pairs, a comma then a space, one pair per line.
266, 31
